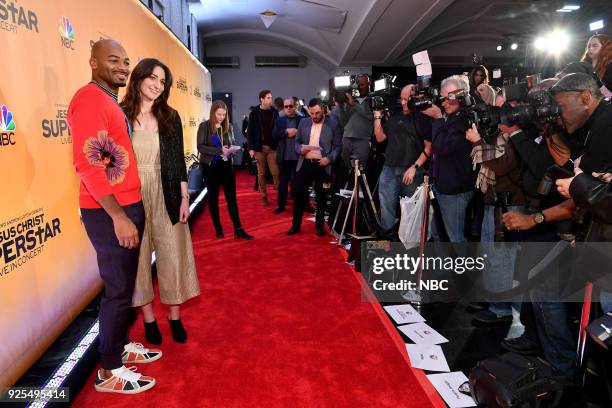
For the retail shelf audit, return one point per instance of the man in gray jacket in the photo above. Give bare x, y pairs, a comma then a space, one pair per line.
318, 142
357, 119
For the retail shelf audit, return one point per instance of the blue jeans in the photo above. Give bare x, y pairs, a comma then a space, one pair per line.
453, 208
501, 259
551, 318
391, 188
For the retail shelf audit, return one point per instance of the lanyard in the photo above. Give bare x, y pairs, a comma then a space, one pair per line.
114, 97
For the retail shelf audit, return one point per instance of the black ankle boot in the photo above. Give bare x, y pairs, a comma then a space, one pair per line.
219, 233
178, 331
152, 334
241, 233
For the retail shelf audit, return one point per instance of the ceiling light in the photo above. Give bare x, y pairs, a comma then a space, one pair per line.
514, 46
499, 47
596, 25
323, 93
568, 8
268, 17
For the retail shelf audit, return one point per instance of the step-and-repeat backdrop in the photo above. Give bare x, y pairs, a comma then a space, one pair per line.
48, 269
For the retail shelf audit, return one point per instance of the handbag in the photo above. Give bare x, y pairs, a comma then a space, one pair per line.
195, 174
515, 381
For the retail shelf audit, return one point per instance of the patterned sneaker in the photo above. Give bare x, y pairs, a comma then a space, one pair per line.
124, 381
137, 353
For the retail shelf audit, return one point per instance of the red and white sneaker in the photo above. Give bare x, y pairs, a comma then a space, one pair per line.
124, 381
137, 353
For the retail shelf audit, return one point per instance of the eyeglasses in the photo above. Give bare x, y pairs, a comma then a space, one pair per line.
288, 106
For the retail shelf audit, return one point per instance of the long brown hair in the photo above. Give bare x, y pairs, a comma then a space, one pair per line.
605, 58
212, 119
131, 102
603, 40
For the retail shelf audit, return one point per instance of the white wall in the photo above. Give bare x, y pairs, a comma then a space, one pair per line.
246, 82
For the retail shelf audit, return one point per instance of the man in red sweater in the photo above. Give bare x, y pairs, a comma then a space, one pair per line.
112, 211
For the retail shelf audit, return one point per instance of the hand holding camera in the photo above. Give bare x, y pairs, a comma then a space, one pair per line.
433, 112
472, 134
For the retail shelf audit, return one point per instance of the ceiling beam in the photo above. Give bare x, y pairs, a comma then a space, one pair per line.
363, 29
281, 39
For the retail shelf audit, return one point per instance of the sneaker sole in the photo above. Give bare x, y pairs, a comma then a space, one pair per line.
135, 391
150, 360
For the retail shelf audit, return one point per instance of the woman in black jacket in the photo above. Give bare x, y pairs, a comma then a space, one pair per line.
215, 138
158, 146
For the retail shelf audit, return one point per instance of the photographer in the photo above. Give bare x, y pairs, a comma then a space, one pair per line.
356, 119
499, 179
588, 116
408, 148
452, 169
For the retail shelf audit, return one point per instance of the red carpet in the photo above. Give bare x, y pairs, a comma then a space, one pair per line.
280, 323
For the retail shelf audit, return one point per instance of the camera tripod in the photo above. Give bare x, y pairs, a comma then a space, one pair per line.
361, 189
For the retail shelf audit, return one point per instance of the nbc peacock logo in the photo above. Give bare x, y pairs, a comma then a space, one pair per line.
66, 31
7, 127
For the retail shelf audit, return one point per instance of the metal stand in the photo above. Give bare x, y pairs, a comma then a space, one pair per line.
359, 179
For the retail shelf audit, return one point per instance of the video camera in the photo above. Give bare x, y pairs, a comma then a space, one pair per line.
343, 85
424, 96
386, 96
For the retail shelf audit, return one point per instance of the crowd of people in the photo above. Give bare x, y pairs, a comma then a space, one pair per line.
134, 198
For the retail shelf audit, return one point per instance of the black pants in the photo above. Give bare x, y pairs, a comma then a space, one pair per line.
118, 266
309, 172
222, 174
287, 174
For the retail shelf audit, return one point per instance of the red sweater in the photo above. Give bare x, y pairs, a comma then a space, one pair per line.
101, 148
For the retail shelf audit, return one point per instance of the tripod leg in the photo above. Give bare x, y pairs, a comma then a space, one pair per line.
348, 211
366, 188
333, 227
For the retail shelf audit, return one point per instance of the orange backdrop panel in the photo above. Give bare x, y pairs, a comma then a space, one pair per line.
48, 269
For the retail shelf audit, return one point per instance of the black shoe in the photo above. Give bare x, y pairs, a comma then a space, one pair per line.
219, 233
178, 331
522, 345
240, 233
279, 210
293, 230
319, 230
488, 317
152, 333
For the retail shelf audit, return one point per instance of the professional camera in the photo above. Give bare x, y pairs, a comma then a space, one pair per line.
540, 108
386, 97
484, 116
343, 85
424, 98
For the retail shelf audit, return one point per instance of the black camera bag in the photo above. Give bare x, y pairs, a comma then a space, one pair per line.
517, 381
